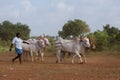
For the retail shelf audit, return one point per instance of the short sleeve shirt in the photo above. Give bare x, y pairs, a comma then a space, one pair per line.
18, 42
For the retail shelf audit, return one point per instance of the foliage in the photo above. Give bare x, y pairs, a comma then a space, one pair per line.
8, 30
74, 28
4, 49
113, 34
108, 39
101, 39
51, 48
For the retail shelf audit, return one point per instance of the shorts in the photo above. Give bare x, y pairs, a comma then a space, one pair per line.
18, 51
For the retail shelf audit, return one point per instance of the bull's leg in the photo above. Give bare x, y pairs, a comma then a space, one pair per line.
23, 55
37, 55
26, 55
73, 58
58, 56
69, 54
42, 54
80, 58
32, 56
62, 55
84, 57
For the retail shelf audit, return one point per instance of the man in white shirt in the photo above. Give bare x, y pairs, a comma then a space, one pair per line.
17, 41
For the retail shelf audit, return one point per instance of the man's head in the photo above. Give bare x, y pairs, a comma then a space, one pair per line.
18, 34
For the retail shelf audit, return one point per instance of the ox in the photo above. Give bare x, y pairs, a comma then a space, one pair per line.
34, 46
73, 46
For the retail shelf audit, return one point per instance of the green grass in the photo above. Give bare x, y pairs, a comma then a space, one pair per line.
51, 49
107, 52
4, 49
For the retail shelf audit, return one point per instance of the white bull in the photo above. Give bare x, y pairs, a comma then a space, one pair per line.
74, 46
34, 46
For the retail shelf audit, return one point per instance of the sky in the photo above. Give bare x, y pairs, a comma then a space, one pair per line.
49, 16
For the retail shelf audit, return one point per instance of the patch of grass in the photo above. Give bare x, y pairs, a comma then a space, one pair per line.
107, 52
4, 49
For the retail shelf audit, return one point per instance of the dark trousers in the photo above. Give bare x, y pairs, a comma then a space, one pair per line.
17, 57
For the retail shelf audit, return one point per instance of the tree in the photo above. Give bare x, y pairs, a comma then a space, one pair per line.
109, 38
113, 33
23, 29
5, 29
8, 30
74, 28
101, 39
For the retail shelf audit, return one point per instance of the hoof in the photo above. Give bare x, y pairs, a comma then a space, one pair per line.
81, 62
72, 62
57, 61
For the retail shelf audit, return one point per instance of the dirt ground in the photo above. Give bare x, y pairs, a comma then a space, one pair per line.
98, 67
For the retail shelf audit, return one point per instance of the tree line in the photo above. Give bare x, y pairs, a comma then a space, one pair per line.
106, 39
8, 30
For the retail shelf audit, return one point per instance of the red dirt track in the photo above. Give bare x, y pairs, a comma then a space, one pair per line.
98, 67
